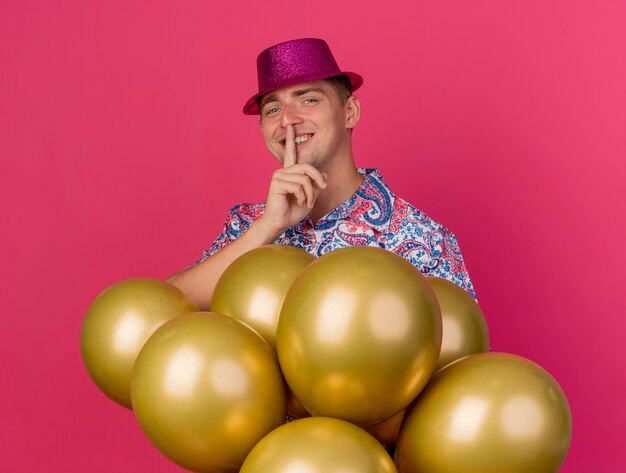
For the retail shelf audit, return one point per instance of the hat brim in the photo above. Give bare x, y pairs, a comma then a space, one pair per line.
252, 107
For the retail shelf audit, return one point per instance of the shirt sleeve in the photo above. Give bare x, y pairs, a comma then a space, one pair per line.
431, 247
451, 264
237, 222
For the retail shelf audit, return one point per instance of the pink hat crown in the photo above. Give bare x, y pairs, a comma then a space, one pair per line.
295, 62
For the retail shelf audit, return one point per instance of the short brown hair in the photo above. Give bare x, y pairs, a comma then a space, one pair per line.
342, 86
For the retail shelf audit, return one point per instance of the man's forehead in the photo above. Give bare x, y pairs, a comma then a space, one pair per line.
318, 86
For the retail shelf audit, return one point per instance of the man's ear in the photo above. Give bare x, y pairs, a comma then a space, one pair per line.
353, 111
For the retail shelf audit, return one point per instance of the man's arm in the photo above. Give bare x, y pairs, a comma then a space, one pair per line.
198, 282
292, 194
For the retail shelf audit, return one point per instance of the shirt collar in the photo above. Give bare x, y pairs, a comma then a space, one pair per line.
372, 202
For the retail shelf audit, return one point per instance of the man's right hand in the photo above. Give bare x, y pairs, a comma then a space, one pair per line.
292, 195
293, 190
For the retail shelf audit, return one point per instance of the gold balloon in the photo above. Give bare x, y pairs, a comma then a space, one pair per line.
253, 287
318, 445
487, 413
464, 327
117, 324
206, 388
387, 431
358, 335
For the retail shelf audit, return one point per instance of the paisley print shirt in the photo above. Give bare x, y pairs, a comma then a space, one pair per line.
373, 216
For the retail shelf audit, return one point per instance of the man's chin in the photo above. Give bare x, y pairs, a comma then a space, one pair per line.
308, 159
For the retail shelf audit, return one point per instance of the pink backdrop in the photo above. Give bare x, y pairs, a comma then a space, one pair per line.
122, 146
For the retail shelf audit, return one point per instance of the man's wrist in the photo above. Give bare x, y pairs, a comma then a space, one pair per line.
264, 231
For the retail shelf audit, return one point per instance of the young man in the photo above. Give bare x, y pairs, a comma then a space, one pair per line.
318, 200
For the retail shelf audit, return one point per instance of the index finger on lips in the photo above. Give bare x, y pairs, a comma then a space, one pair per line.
290, 147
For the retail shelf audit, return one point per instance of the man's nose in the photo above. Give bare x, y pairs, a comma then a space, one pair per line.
290, 116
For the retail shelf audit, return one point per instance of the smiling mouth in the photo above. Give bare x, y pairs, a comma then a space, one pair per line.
299, 139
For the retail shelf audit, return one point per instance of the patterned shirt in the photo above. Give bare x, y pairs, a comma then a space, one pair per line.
373, 216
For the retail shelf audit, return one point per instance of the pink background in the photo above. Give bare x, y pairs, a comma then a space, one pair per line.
122, 146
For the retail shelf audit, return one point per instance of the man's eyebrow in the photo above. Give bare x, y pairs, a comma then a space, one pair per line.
266, 100
298, 93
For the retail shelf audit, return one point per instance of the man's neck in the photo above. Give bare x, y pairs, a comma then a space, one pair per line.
343, 181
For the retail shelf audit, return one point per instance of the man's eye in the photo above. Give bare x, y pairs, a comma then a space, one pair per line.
271, 111
310, 100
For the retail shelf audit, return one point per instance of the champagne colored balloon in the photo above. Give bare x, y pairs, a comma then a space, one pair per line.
358, 335
387, 432
206, 388
318, 445
253, 287
117, 324
487, 413
464, 327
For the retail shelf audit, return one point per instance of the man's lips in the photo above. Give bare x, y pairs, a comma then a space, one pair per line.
299, 139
